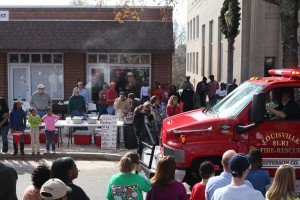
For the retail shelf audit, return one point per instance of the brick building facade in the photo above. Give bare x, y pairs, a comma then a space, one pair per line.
57, 46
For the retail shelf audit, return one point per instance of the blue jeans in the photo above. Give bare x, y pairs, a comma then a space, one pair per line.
102, 109
4, 133
50, 138
41, 113
111, 110
163, 107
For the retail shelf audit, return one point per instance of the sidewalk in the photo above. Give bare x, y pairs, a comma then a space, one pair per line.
82, 152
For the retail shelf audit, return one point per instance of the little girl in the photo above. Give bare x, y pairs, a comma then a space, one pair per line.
17, 123
50, 119
34, 120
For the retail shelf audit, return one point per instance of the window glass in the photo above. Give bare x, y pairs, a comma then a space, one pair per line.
57, 58
103, 58
134, 59
51, 76
24, 58
35, 58
145, 59
113, 58
236, 101
47, 58
124, 58
129, 79
92, 58
13, 58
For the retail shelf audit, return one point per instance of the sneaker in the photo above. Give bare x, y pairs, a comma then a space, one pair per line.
3, 152
53, 151
46, 152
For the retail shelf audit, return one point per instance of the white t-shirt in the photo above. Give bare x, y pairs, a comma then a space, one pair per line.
145, 91
243, 192
221, 93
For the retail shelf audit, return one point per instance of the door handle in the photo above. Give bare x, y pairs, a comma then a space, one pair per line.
236, 140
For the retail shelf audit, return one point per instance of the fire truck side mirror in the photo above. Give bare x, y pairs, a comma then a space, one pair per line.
258, 107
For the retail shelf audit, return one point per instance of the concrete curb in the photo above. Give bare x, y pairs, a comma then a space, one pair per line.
75, 155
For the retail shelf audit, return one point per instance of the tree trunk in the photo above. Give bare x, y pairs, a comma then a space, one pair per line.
230, 61
289, 25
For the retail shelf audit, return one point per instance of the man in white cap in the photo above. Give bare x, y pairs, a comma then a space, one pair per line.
238, 189
41, 100
83, 92
54, 189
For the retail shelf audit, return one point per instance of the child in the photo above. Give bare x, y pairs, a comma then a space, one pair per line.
259, 178
34, 120
17, 122
50, 119
206, 170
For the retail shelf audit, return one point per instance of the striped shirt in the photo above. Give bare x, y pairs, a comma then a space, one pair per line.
220, 181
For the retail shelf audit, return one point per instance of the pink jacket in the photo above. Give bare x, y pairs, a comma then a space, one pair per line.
50, 121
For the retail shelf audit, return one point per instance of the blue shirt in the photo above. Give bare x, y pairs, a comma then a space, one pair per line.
220, 181
259, 179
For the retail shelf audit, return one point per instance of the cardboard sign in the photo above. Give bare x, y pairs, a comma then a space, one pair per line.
109, 131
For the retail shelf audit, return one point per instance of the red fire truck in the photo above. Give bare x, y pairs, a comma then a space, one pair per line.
237, 122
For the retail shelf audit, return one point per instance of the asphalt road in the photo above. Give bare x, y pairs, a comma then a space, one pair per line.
93, 176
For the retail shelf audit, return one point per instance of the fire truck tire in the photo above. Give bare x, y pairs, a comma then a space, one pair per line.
192, 175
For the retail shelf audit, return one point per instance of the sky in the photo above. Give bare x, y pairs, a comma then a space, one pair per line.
179, 10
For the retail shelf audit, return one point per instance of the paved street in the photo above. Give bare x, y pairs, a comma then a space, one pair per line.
93, 176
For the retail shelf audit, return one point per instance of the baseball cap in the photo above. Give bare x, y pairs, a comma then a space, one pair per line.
122, 94
80, 83
54, 189
238, 163
41, 86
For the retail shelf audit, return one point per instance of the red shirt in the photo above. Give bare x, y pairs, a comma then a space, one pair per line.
173, 110
155, 91
112, 95
198, 192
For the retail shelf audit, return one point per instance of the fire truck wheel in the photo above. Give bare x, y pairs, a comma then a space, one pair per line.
192, 175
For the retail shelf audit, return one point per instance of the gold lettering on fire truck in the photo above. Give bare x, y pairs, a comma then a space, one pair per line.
280, 141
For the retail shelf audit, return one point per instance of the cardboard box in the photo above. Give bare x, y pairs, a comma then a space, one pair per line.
98, 140
82, 137
27, 137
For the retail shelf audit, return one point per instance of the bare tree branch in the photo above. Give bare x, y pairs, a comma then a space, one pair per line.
276, 2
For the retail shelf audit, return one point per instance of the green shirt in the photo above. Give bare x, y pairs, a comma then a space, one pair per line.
127, 186
76, 103
34, 121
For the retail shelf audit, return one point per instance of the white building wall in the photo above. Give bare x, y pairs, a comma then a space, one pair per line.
259, 38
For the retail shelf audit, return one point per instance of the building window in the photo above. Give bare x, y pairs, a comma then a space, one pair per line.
269, 64
13, 58
197, 26
92, 58
191, 30
197, 64
203, 51
194, 28
191, 61
187, 62
210, 62
194, 63
103, 58
220, 52
35, 58
188, 31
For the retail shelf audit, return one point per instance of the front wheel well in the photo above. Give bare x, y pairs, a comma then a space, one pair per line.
192, 174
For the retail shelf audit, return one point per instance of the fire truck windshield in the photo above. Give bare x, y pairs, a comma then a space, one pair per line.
237, 100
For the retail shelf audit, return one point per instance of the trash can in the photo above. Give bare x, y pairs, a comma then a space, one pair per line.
129, 137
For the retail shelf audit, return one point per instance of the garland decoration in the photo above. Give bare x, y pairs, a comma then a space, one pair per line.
230, 19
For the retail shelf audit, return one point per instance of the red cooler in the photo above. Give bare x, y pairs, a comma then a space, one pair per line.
82, 137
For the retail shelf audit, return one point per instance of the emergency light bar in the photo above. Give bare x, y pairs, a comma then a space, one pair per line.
285, 72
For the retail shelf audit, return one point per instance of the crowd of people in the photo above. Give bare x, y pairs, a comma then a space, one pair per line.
242, 178
55, 183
